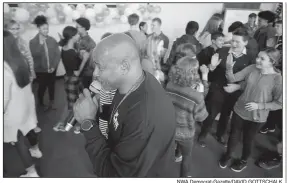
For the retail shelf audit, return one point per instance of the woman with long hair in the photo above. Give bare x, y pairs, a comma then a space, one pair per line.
71, 63
19, 106
262, 92
46, 54
213, 25
14, 28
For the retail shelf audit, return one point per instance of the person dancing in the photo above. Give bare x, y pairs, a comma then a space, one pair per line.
19, 99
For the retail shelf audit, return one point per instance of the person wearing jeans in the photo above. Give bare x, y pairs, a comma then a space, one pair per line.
46, 55
187, 93
262, 92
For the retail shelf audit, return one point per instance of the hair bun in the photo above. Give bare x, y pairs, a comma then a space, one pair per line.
40, 20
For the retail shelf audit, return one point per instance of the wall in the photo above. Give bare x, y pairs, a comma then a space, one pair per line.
174, 17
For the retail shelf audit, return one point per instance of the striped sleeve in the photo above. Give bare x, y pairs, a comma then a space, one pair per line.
199, 112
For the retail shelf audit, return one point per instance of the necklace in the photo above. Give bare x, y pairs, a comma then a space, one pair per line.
133, 88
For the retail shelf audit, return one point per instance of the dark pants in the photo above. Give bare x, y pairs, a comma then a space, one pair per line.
46, 80
218, 101
248, 129
86, 81
274, 119
22, 150
185, 147
32, 138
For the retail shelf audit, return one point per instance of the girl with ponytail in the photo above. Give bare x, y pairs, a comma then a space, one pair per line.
71, 63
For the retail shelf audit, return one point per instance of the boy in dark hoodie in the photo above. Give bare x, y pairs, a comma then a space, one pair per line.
189, 37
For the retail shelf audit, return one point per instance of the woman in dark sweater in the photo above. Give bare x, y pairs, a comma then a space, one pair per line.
262, 92
71, 63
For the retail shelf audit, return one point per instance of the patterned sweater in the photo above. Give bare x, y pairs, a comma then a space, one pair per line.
189, 107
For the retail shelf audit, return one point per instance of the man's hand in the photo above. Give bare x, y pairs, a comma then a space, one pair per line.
229, 62
86, 107
251, 106
215, 61
231, 88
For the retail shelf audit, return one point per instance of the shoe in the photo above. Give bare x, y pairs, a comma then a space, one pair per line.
30, 174
266, 130
239, 165
178, 159
59, 127
224, 160
77, 130
201, 142
37, 129
270, 164
35, 152
221, 141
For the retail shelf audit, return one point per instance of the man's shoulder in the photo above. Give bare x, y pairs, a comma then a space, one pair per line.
163, 36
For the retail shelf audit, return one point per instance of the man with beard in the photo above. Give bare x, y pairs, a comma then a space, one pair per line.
142, 123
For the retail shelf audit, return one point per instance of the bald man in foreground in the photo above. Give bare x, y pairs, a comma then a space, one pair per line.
142, 123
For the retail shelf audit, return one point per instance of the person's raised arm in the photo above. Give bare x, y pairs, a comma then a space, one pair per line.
239, 76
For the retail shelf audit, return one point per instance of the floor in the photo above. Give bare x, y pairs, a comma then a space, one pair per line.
64, 154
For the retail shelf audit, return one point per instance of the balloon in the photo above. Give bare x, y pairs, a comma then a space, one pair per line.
150, 8
99, 7
58, 7
157, 9
51, 12
99, 18
106, 12
134, 6
73, 7
113, 13
90, 13
76, 15
81, 9
128, 12
124, 19
142, 9
152, 15
138, 13
41, 13
21, 15
68, 10
89, 6
54, 20
6, 8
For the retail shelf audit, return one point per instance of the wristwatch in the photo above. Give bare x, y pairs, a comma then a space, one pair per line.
87, 124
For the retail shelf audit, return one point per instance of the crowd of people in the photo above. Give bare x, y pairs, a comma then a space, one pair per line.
143, 117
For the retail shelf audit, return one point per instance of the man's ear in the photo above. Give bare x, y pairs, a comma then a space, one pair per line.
125, 66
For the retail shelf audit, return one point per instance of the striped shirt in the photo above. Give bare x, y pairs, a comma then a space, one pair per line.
106, 99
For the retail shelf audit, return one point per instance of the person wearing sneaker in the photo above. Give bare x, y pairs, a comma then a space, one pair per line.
71, 62
262, 92
19, 99
218, 100
142, 116
187, 93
